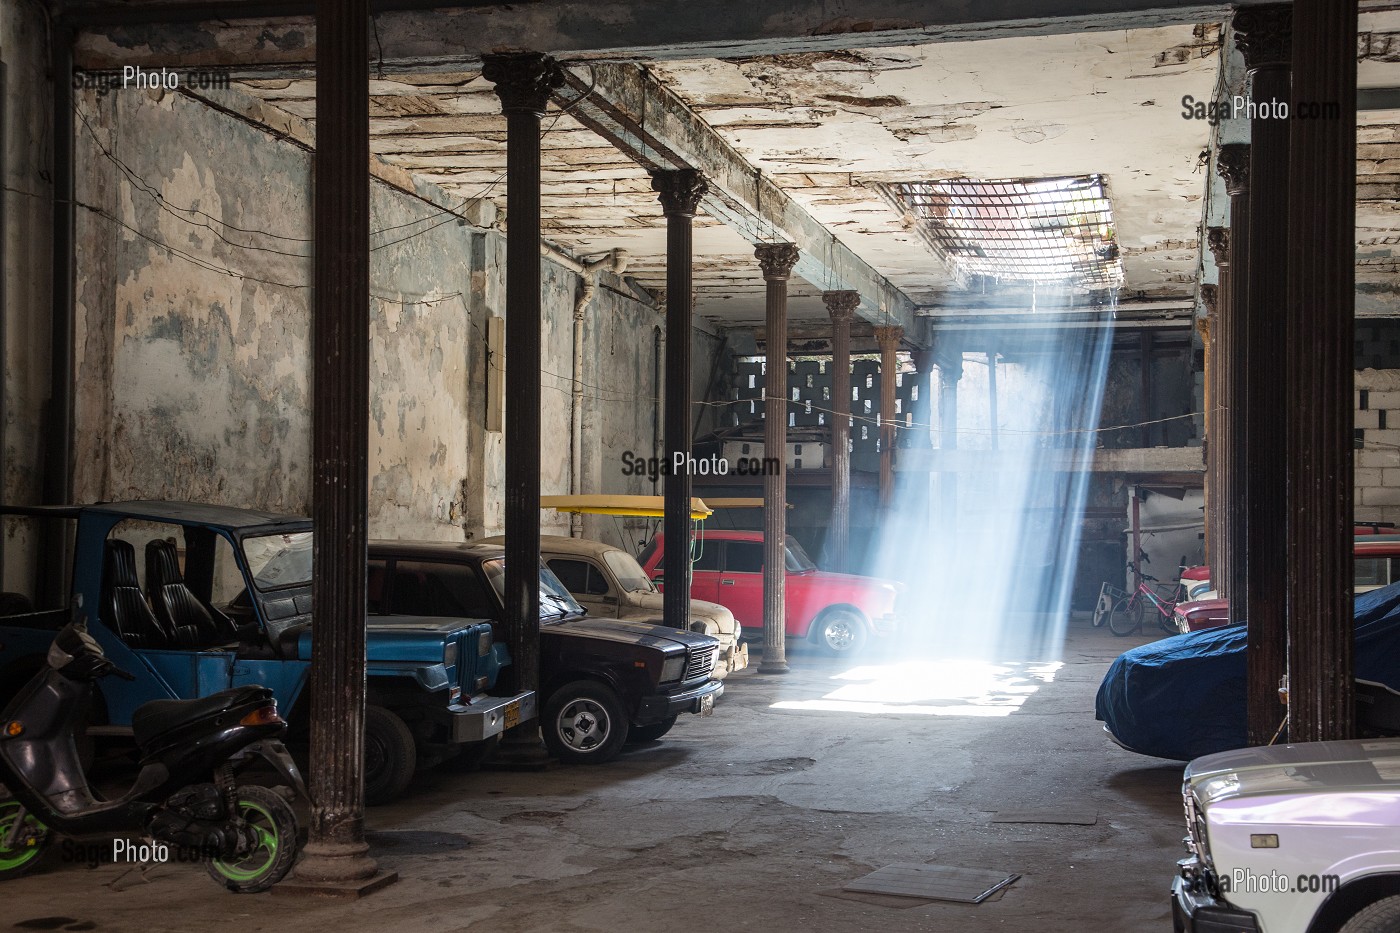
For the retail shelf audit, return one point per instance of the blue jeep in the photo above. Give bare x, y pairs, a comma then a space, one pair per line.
225, 600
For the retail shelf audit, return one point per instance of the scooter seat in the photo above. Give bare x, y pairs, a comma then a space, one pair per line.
158, 717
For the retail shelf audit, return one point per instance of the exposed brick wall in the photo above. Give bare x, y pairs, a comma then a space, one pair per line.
1377, 429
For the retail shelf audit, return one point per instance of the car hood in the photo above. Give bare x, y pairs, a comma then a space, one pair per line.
402, 638
843, 579
631, 633
699, 608
1302, 769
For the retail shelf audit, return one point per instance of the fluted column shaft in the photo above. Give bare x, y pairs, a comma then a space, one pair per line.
776, 260
841, 305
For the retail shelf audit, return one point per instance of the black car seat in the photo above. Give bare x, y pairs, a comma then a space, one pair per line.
123, 606
179, 611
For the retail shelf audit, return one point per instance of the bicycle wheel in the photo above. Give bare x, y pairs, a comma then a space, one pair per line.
1167, 623
1103, 609
1126, 617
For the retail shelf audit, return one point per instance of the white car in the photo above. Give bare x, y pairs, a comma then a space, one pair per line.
1292, 839
610, 584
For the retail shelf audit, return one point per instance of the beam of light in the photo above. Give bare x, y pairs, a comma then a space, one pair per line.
991, 576
931, 688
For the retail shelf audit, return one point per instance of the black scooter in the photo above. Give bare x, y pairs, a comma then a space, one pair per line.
186, 798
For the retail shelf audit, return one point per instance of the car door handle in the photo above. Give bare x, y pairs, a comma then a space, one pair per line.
726, 583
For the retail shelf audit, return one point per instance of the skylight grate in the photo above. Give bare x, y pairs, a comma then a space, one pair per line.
1027, 230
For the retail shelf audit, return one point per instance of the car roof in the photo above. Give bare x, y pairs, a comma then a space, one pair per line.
200, 513
731, 534
438, 549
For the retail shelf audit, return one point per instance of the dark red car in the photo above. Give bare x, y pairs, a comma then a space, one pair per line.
839, 612
1377, 563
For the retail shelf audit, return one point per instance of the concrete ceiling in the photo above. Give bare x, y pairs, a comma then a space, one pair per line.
829, 127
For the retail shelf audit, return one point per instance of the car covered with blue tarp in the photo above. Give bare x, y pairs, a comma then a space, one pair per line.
1184, 696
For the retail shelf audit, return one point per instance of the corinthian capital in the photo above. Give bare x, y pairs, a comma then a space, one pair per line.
776, 259
680, 191
1264, 35
523, 80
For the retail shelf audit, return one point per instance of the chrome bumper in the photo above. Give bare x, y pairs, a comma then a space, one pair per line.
483, 716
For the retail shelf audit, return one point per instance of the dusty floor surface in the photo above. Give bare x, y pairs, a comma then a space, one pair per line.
748, 820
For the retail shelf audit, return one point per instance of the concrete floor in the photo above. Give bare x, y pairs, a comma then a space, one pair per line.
748, 820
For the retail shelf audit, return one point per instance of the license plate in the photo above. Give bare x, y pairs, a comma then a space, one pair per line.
707, 705
513, 714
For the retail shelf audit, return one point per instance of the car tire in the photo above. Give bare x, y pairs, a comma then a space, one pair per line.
652, 732
584, 723
1381, 917
840, 633
391, 755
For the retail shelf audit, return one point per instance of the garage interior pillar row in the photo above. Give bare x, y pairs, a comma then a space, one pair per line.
1320, 363
1207, 328
841, 305
1263, 35
776, 260
680, 192
887, 337
524, 81
1220, 444
336, 858
920, 497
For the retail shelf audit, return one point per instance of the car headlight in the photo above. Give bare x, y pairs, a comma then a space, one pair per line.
449, 654
673, 668
483, 644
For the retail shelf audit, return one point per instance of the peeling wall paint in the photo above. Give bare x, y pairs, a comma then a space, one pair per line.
195, 383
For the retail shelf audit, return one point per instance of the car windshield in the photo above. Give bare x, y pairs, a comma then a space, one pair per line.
279, 560
797, 559
555, 601
630, 576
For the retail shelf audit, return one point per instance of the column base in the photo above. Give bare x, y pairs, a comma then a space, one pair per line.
773, 667
334, 869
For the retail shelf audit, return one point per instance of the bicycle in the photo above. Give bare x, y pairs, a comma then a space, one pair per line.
1127, 613
1109, 595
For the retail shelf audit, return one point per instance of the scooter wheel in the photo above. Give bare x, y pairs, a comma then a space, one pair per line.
34, 839
275, 823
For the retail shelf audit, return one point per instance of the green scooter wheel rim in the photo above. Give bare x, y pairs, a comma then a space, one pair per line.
267, 842
12, 859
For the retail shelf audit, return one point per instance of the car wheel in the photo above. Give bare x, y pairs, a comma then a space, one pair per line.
840, 632
652, 732
391, 756
1381, 917
584, 723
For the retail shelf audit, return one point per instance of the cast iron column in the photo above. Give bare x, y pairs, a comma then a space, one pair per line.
1321, 376
888, 338
1222, 341
336, 857
950, 372
1262, 34
841, 305
1208, 329
776, 260
523, 82
1232, 162
680, 193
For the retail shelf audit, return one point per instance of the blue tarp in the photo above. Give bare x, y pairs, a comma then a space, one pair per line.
1184, 696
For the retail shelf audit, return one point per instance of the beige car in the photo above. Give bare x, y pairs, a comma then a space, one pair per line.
609, 583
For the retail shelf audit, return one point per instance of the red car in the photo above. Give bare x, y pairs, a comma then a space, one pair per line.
839, 612
1377, 563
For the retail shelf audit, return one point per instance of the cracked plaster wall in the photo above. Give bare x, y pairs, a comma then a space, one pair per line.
194, 384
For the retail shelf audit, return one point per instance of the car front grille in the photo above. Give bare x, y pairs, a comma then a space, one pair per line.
700, 663
466, 664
